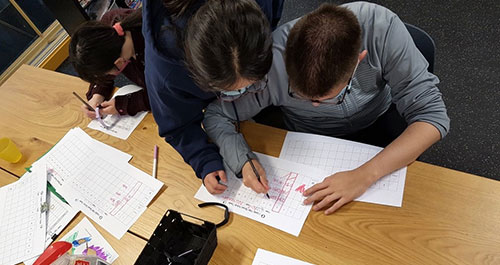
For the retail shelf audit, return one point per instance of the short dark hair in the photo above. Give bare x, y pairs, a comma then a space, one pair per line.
321, 50
95, 46
226, 40
177, 8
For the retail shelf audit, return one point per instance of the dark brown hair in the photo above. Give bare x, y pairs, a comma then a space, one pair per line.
95, 46
177, 8
321, 50
227, 40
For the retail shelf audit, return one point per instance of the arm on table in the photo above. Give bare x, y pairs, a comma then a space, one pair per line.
219, 124
129, 104
417, 99
348, 185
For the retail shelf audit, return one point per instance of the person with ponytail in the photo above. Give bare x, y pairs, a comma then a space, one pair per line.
177, 102
100, 50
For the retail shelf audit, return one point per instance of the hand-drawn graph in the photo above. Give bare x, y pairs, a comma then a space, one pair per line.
335, 155
284, 209
110, 191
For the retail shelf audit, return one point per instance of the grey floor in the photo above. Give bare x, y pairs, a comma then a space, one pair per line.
467, 36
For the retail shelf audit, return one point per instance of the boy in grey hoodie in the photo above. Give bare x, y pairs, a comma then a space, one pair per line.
346, 67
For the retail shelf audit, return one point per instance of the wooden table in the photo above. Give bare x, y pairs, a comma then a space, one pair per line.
448, 217
6, 178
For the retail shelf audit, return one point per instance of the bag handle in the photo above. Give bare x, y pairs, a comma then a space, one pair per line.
226, 211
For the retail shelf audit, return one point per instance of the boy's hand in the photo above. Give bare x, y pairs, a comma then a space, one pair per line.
212, 183
250, 179
108, 107
341, 187
94, 102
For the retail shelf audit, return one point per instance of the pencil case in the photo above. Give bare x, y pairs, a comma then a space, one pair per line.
178, 240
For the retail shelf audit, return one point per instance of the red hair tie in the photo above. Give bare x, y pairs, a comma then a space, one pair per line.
118, 29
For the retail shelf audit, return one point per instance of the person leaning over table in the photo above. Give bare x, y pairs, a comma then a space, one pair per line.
353, 72
100, 50
177, 103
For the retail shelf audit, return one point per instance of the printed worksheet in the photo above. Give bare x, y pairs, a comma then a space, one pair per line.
120, 126
22, 218
264, 257
86, 240
108, 190
59, 215
334, 155
284, 209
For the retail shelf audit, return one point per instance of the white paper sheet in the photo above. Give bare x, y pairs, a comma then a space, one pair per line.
104, 149
285, 209
120, 126
22, 221
84, 235
264, 257
59, 216
108, 190
334, 155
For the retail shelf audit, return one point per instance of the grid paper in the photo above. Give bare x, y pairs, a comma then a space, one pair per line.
59, 216
22, 223
108, 190
335, 155
284, 209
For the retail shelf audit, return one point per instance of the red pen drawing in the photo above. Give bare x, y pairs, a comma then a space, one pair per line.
301, 188
123, 201
283, 195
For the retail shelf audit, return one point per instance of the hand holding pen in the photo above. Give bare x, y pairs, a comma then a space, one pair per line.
89, 108
254, 176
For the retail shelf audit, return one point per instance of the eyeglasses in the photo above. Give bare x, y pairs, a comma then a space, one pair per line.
256, 87
335, 100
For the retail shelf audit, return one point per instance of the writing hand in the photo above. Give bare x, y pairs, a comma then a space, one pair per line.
94, 102
108, 107
250, 179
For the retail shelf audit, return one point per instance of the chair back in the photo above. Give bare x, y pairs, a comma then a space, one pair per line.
425, 44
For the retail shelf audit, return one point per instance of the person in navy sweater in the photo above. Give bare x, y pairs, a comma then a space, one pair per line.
176, 101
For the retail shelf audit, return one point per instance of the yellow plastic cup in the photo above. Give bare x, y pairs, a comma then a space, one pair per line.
9, 151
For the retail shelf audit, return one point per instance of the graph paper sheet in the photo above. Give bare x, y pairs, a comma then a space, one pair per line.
285, 209
334, 155
59, 216
104, 149
108, 190
264, 257
22, 221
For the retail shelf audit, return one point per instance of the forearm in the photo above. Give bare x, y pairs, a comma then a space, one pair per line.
104, 88
222, 131
402, 151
